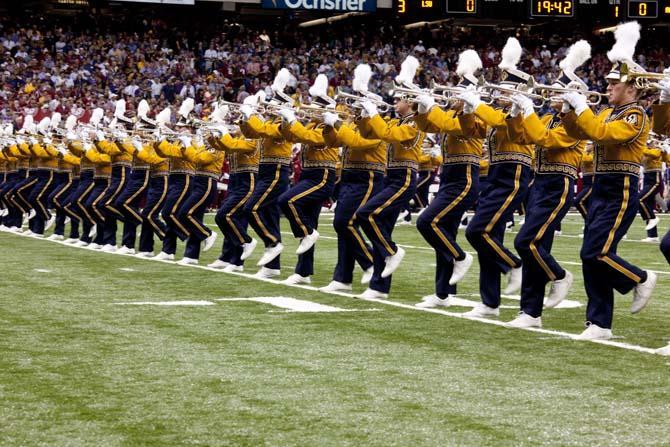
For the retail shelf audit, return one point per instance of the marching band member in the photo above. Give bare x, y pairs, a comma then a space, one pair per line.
459, 186
378, 216
180, 177
363, 167
27, 171
652, 164
208, 164
557, 156
509, 176
301, 204
620, 135
272, 180
243, 158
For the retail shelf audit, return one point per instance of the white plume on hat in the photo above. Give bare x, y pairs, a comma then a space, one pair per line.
28, 123
408, 70
219, 113
511, 54
578, 53
468, 63
43, 126
56, 119
9, 129
186, 107
70, 122
164, 117
281, 80
96, 116
320, 87
362, 75
120, 108
627, 35
143, 109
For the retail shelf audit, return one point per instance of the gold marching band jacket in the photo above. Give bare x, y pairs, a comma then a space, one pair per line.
652, 160
359, 152
619, 135
243, 154
405, 140
457, 148
586, 165
556, 152
502, 147
315, 153
274, 146
178, 160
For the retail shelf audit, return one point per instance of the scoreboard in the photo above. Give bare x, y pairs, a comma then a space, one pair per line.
601, 10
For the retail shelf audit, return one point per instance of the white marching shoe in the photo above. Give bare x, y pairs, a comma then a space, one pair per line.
109, 248
558, 291
393, 262
187, 261
370, 294
481, 310
461, 268
230, 268
431, 301
514, 281
70, 240
336, 286
401, 216
650, 239
94, 246
49, 223
297, 279
93, 232
523, 320
125, 250
55, 237
145, 254
267, 273
248, 248
307, 242
209, 242
594, 332
81, 243
652, 223
664, 350
218, 264
642, 292
270, 253
162, 256
367, 275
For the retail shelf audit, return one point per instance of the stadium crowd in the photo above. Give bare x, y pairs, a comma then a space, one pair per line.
92, 61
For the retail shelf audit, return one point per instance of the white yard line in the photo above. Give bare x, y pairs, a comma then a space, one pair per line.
561, 334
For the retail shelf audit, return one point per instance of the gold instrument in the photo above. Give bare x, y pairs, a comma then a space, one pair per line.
552, 94
354, 100
412, 95
498, 92
643, 80
316, 112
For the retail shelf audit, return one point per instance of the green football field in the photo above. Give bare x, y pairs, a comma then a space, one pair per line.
79, 366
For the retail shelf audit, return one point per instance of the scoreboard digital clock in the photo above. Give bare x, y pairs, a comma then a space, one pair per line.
552, 8
602, 11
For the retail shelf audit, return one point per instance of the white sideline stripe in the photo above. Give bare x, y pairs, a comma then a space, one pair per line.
565, 304
293, 304
568, 335
127, 269
166, 303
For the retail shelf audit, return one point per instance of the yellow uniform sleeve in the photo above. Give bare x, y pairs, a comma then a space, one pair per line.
77, 148
391, 133
14, 151
437, 161
491, 116
661, 119
191, 153
51, 150
613, 132
301, 134
39, 151
25, 149
472, 126
107, 147
94, 156
149, 155
654, 154
346, 136
127, 147
233, 144
438, 120
265, 129
167, 149
587, 157
206, 157
69, 158
536, 131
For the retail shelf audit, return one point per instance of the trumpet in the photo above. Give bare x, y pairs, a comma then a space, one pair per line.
551, 94
354, 101
496, 91
643, 80
412, 95
316, 112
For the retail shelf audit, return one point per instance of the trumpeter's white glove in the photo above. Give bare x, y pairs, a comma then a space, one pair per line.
664, 86
524, 103
330, 119
99, 135
185, 140
287, 115
577, 102
425, 102
369, 109
246, 110
470, 99
137, 144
